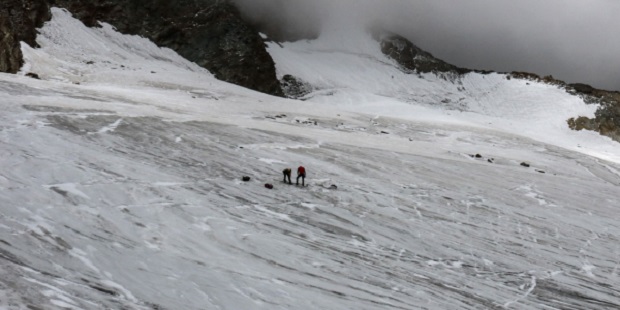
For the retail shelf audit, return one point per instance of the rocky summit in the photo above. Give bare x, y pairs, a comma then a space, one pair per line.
414, 59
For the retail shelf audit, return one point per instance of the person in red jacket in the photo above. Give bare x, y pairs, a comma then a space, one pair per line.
301, 173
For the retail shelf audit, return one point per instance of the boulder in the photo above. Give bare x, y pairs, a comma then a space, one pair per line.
295, 88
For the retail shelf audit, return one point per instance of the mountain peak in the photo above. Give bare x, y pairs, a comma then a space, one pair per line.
413, 58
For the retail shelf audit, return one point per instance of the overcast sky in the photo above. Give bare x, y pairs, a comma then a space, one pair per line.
574, 40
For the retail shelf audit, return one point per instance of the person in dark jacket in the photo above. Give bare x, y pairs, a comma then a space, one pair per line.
287, 174
301, 173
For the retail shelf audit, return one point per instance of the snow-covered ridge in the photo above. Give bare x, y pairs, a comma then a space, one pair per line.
125, 191
71, 52
359, 77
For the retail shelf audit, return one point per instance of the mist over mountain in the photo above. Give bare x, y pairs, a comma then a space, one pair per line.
571, 40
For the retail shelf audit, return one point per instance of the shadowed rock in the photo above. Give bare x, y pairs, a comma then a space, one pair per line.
18, 22
414, 59
294, 87
606, 119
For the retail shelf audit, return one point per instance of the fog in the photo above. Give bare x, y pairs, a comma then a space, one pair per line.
576, 41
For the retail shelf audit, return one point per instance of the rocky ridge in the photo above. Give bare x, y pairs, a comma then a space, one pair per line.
414, 60
606, 119
210, 33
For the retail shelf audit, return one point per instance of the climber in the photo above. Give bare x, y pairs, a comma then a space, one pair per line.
301, 173
287, 174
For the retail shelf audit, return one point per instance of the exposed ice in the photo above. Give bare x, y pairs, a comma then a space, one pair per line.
152, 213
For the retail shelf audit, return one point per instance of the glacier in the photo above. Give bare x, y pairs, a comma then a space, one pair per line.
120, 185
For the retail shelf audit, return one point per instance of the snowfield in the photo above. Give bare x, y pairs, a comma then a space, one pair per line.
120, 185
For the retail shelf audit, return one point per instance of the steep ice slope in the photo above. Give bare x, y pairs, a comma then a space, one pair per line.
125, 192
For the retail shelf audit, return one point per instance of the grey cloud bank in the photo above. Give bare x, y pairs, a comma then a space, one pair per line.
576, 41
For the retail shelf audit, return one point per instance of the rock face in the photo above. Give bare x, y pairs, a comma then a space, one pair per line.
606, 119
295, 88
210, 33
414, 59
18, 22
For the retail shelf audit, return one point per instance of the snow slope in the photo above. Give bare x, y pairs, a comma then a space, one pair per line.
351, 71
124, 191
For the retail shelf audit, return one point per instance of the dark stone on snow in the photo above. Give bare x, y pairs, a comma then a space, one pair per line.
33, 75
333, 186
104, 290
582, 88
269, 186
245, 179
478, 156
539, 171
524, 164
295, 88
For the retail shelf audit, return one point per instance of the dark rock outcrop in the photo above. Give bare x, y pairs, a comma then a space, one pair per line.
295, 88
210, 33
414, 59
549, 79
606, 119
19, 20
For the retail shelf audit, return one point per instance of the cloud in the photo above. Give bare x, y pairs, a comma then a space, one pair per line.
573, 40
